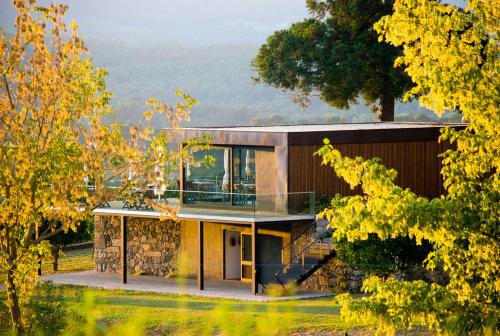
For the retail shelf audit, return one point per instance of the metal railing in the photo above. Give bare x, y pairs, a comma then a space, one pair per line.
307, 251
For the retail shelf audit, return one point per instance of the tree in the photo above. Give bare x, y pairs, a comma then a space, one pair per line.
452, 56
53, 141
374, 256
83, 232
335, 54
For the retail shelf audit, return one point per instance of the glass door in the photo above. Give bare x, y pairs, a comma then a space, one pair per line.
246, 257
243, 176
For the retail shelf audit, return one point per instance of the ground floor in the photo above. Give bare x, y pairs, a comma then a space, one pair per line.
253, 252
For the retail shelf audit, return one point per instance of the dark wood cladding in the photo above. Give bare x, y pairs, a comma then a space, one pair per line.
417, 164
367, 136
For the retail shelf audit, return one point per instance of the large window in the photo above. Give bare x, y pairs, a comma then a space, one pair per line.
208, 178
230, 179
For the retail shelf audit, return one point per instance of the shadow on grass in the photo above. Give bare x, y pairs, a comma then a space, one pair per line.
189, 303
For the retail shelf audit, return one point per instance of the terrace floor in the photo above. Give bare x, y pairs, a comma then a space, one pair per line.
248, 216
223, 289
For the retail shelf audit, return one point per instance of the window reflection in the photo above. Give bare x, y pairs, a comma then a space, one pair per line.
244, 175
205, 178
238, 189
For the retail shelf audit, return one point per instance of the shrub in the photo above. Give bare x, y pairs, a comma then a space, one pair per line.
382, 257
47, 311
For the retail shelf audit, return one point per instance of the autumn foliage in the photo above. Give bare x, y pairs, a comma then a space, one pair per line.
56, 152
452, 56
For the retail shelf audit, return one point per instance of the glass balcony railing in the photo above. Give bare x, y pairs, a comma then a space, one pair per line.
219, 203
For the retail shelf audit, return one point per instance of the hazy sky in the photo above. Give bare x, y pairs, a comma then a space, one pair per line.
178, 21
153, 47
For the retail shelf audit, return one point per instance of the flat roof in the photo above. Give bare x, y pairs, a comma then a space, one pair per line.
300, 135
329, 127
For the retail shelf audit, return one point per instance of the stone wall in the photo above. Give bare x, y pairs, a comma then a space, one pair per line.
107, 243
334, 277
152, 245
302, 235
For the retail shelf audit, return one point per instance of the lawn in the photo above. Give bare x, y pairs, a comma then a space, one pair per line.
162, 314
75, 260
155, 314
118, 312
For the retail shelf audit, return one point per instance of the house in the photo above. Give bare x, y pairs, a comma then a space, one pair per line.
250, 217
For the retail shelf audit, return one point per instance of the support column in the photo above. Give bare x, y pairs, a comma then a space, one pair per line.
181, 176
201, 282
123, 248
255, 268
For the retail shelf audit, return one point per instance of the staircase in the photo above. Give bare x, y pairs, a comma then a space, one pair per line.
311, 250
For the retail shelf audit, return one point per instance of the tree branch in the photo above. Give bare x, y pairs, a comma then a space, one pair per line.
49, 235
7, 88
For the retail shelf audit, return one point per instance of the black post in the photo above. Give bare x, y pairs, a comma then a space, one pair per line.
39, 256
201, 282
123, 254
255, 268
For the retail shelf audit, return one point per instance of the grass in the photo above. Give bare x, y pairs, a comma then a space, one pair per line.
164, 314
75, 260
118, 312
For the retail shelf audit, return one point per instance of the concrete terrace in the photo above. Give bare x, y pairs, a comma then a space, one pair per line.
226, 289
115, 208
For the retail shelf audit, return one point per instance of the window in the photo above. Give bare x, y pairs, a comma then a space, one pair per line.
215, 183
244, 170
208, 178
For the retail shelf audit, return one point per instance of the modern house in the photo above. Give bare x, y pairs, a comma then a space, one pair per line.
250, 217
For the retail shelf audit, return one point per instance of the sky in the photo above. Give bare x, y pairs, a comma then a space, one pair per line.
181, 22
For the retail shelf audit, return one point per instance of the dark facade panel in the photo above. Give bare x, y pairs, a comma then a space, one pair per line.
417, 164
276, 136
365, 136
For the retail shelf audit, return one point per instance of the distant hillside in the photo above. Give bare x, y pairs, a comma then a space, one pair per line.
152, 48
220, 78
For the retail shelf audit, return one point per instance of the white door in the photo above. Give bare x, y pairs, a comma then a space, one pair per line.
232, 255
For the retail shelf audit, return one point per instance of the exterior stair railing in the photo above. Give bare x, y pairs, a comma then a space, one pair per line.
312, 254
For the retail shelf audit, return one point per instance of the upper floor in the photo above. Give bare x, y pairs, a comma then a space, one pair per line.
280, 159
271, 173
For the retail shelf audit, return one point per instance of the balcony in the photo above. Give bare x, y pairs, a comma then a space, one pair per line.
215, 205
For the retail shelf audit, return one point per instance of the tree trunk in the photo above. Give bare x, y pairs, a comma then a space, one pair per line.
55, 258
13, 302
387, 107
39, 265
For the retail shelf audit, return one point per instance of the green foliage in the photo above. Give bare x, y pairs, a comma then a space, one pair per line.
452, 56
320, 203
82, 233
335, 54
5, 324
382, 257
47, 311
